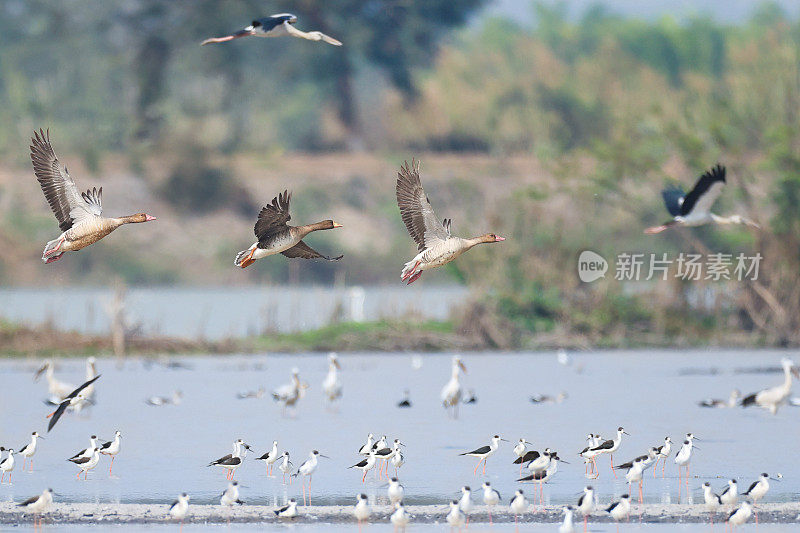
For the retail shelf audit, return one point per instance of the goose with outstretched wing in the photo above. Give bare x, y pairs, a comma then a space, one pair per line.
275, 236
279, 25
436, 245
79, 215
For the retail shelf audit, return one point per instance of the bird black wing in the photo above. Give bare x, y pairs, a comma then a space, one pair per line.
282, 509
732, 513
752, 486
78, 454
360, 464
612, 507
749, 400
273, 217
481, 450
304, 251
673, 198
415, 209
531, 477
220, 460
57, 414
176, 502
79, 389
607, 445
106, 445
80, 460
528, 457
705, 192
270, 23
29, 501
580, 500
624, 466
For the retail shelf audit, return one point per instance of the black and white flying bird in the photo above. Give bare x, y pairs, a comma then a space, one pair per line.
694, 209
279, 25
72, 398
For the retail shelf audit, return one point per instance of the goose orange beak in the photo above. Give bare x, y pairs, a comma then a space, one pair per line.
337, 225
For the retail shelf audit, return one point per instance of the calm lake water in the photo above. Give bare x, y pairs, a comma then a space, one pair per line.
166, 449
215, 314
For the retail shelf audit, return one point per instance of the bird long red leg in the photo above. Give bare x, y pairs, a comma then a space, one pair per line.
612, 465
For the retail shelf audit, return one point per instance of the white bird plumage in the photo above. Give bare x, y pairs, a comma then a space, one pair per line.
774, 397
451, 392
331, 385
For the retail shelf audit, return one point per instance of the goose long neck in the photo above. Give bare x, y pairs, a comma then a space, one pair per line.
308, 228
119, 221
787, 378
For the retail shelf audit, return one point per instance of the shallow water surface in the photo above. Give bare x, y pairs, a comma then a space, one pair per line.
215, 314
165, 449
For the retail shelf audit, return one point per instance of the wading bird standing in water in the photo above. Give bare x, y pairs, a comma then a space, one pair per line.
78, 214
307, 470
773, 397
694, 209
331, 385
28, 450
275, 236
278, 25
435, 244
38, 505
484, 452
451, 392
290, 393
56, 388
179, 508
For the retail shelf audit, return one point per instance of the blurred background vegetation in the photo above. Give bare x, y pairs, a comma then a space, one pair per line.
557, 129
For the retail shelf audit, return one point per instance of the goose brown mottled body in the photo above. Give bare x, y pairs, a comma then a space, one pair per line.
275, 236
436, 245
79, 215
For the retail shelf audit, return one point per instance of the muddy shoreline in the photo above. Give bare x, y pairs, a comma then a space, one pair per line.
130, 513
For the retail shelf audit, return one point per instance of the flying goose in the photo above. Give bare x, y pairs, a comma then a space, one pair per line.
436, 245
278, 25
79, 214
694, 209
276, 237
